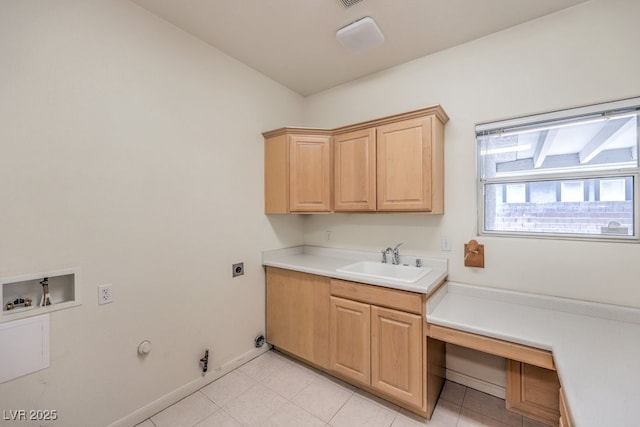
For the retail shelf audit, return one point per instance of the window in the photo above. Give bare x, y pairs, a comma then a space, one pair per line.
516, 193
571, 173
572, 191
612, 190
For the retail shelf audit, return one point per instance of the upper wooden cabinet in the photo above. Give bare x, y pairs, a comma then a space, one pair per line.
565, 418
394, 163
297, 172
410, 166
309, 173
355, 171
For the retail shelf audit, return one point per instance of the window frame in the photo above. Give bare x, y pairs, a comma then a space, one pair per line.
526, 122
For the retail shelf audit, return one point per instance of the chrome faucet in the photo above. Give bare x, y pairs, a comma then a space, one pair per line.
396, 254
393, 252
385, 252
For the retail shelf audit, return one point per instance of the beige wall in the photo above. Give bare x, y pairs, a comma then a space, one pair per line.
133, 151
582, 55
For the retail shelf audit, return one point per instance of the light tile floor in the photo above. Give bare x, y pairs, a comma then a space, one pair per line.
274, 390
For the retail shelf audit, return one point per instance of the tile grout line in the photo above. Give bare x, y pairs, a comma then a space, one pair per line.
326, 422
231, 416
318, 376
289, 400
340, 408
321, 378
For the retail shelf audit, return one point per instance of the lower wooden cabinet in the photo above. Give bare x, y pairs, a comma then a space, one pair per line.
396, 356
298, 314
350, 339
533, 392
367, 335
377, 346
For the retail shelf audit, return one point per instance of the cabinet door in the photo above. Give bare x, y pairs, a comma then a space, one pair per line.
533, 392
309, 173
404, 165
298, 314
355, 171
350, 339
565, 419
396, 357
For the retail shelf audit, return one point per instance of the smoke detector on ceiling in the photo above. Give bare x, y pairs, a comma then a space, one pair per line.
361, 35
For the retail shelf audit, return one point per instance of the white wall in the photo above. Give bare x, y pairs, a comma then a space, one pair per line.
133, 151
582, 55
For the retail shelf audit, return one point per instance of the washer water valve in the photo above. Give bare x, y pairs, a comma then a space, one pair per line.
205, 362
46, 297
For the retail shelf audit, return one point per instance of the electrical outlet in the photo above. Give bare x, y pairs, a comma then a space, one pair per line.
237, 269
445, 244
105, 294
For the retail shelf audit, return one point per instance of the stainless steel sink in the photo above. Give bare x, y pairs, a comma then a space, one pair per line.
401, 273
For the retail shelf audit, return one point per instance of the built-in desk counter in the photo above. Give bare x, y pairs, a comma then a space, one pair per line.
595, 347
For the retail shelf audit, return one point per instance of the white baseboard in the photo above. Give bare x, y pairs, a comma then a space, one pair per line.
191, 387
476, 384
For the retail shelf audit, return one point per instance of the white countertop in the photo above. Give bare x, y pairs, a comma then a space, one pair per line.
325, 262
596, 347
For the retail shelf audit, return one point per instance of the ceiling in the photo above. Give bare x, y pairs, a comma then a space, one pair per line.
294, 43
